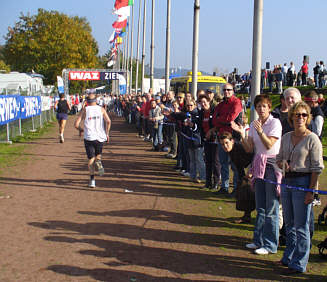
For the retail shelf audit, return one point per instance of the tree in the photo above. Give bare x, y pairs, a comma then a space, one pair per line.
49, 42
4, 67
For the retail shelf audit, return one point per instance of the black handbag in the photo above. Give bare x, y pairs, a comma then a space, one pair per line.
245, 196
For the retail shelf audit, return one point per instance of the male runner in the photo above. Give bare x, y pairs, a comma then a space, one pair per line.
96, 131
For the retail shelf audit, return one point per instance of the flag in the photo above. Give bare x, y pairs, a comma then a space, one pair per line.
123, 3
124, 11
122, 84
112, 37
119, 40
111, 63
119, 23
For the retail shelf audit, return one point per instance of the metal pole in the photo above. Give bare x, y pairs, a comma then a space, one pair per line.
127, 46
20, 126
138, 48
131, 63
127, 57
122, 45
8, 133
256, 53
152, 47
195, 56
143, 47
167, 48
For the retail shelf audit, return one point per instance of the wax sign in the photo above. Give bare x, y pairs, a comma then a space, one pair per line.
93, 75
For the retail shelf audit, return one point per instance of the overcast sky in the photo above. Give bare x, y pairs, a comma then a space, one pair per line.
291, 29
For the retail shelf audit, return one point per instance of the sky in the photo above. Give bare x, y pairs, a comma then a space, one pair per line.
291, 29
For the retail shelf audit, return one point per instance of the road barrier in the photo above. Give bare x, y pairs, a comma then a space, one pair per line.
22, 114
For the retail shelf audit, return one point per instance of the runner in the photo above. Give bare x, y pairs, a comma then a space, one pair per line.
96, 131
63, 107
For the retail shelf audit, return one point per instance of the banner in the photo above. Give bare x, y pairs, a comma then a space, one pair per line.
9, 108
30, 106
60, 83
122, 84
45, 103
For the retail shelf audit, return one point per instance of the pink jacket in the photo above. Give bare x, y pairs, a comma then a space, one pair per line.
259, 167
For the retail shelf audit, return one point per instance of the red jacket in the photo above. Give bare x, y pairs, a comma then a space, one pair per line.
226, 112
305, 68
147, 109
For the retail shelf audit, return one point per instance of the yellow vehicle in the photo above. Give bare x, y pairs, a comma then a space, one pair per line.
184, 83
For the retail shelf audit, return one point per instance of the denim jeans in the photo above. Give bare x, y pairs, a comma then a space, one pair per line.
224, 169
266, 230
157, 135
316, 77
196, 163
297, 220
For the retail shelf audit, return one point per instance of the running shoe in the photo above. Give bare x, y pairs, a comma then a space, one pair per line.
92, 183
99, 167
316, 202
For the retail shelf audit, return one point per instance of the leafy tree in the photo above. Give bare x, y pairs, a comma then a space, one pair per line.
49, 42
4, 67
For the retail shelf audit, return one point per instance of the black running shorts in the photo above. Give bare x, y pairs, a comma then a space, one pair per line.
93, 148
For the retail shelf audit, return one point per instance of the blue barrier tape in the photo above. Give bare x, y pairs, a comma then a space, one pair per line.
189, 138
296, 188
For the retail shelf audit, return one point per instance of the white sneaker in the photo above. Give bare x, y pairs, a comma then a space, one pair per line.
261, 251
316, 202
251, 246
186, 174
99, 167
92, 183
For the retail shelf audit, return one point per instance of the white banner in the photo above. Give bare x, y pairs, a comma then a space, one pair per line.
45, 103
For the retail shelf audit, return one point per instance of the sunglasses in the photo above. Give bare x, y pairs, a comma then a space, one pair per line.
301, 115
228, 89
189, 105
179, 97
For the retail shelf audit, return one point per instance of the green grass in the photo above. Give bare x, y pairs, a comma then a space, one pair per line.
10, 155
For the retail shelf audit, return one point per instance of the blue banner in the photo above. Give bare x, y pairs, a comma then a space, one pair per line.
30, 106
9, 108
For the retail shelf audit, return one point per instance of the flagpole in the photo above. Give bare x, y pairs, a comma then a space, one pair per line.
256, 53
127, 57
152, 47
123, 53
167, 47
195, 56
131, 57
143, 47
138, 48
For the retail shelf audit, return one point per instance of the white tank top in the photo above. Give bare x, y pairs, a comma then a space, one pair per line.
93, 125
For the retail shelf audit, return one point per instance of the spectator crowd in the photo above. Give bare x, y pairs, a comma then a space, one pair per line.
210, 136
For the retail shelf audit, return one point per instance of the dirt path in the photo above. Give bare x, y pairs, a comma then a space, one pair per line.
141, 223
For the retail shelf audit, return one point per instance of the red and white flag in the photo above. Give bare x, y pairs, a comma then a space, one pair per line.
120, 22
124, 11
123, 3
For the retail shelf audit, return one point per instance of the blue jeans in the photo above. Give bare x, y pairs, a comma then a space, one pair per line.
316, 78
224, 170
266, 230
157, 135
196, 163
297, 220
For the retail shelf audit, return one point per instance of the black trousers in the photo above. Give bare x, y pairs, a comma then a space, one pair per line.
211, 159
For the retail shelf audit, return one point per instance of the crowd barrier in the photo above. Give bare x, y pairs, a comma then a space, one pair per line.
22, 114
